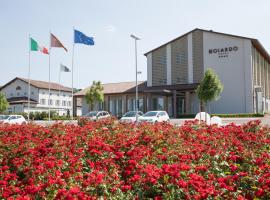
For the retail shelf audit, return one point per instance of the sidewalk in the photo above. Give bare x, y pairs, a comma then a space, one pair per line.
265, 120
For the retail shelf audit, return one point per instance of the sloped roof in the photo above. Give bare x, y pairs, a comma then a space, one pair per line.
19, 100
116, 88
41, 84
256, 43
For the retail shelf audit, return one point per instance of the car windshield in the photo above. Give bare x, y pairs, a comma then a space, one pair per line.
150, 114
130, 114
92, 114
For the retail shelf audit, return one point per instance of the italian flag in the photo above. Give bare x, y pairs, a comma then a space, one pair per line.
35, 47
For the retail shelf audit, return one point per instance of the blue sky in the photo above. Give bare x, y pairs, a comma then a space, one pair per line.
111, 23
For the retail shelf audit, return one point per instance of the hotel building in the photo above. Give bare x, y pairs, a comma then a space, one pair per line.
16, 92
175, 69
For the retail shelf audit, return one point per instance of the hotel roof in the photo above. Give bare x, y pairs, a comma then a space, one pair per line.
41, 84
116, 88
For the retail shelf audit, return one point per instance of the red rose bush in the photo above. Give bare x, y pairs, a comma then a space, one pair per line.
108, 160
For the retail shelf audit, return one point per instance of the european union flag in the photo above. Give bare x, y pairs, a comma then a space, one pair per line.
79, 37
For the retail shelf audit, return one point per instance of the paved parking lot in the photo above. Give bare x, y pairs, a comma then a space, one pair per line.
225, 121
265, 121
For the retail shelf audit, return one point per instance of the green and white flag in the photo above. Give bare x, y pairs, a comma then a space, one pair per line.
64, 68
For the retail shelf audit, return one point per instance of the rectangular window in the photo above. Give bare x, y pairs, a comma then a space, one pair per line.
131, 104
162, 60
180, 58
140, 106
63, 103
69, 103
51, 102
57, 103
42, 101
158, 103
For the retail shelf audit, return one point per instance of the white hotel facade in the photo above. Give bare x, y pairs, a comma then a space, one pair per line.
16, 92
175, 69
242, 64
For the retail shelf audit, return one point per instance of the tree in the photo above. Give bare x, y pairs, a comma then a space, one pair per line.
94, 94
3, 103
209, 89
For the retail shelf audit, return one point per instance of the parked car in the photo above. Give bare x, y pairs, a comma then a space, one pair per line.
155, 116
12, 119
130, 117
97, 115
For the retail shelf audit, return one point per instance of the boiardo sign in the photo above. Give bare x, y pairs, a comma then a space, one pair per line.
222, 50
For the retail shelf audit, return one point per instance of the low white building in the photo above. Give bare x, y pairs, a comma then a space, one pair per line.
16, 92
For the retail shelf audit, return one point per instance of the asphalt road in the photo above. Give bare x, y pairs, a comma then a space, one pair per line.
265, 121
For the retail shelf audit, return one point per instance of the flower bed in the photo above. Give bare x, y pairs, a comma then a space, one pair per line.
115, 161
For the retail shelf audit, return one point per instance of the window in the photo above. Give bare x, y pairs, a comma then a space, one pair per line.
32, 93
140, 106
158, 103
13, 117
11, 94
25, 93
57, 103
63, 103
162, 60
18, 94
162, 81
68, 103
181, 80
180, 58
162, 114
42, 101
131, 104
18, 88
51, 102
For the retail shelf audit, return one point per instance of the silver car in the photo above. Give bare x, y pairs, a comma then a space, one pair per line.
97, 115
12, 119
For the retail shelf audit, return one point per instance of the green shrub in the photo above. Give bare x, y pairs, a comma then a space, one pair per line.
239, 115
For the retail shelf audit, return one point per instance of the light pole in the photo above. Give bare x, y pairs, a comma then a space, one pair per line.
136, 100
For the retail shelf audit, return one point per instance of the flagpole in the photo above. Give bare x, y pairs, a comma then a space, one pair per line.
50, 80
28, 109
59, 91
72, 65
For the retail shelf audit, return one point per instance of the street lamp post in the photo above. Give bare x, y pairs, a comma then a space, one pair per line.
136, 100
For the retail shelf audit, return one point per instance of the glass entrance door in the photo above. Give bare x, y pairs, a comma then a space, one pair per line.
180, 106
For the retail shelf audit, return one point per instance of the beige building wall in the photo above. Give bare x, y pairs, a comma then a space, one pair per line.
179, 61
261, 75
159, 69
197, 49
